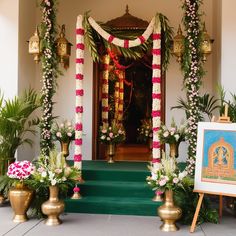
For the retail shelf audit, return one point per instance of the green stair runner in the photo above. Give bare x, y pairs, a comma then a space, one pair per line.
118, 188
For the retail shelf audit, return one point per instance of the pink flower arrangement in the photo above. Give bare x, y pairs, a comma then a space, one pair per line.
20, 170
63, 132
112, 134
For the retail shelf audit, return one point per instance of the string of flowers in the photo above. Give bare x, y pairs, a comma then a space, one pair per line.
193, 72
156, 93
105, 90
79, 92
50, 71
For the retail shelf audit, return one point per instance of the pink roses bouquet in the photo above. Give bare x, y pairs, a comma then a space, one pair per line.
63, 132
112, 134
20, 170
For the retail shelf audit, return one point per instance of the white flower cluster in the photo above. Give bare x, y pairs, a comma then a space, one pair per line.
165, 175
48, 75
192, 23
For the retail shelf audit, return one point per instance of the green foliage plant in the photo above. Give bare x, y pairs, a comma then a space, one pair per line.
15, 123
187, 200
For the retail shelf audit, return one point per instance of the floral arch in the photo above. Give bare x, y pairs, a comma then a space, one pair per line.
154, 29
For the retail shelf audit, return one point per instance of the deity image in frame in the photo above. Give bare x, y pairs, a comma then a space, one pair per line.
216, 158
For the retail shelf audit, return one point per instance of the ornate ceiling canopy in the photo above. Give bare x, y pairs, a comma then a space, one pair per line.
127, 22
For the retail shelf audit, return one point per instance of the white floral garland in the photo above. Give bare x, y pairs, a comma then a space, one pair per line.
155, 28
79, 92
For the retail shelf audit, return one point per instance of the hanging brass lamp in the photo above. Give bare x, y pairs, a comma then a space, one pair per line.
178, 45
63, 48
34, 46
206, 46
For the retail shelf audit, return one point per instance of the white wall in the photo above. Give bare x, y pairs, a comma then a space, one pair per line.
27, 66
228, 46
9, 20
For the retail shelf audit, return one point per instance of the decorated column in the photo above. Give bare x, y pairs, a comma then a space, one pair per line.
120, 111
193, 72
156, 92
49, 68
79, 92
105, 90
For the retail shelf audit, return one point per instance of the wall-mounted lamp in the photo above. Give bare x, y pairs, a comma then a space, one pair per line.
63, 48
206, 46
62, 44
34, 46
178, 44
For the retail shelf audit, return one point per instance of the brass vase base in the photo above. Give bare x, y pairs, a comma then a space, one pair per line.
169, 227
53, 207
169, 213
157, 198
76, 195
20, 218
52, 221
110, 160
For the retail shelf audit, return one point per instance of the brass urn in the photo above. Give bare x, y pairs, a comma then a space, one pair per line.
169, 213
65, 148
174, 150
111, 152
20, 198
53, 207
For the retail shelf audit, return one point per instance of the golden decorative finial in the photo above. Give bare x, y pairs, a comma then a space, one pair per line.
127, 9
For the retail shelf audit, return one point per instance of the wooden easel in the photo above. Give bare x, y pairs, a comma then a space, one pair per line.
222, 119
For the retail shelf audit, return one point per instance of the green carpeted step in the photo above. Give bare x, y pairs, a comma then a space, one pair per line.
118, 175
113, 205
116, 189
118, 171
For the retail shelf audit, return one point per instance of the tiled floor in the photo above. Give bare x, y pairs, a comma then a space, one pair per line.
106, 225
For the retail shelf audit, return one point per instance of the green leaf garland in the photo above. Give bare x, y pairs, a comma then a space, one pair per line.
50, 71
193, 72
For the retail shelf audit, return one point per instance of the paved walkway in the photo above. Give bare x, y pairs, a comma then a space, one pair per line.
106, 225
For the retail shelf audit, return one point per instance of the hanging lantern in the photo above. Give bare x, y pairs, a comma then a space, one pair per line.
206, 46
178, 45
63, 48
34, 46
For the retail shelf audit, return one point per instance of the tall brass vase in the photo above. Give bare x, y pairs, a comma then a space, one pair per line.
53, 207
65, 148
174, 150
20, 199
111, 152
169, 213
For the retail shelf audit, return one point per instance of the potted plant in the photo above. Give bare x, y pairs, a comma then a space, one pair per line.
52, 172
165, 177
173, 136
15, 123
64, 133
111, 136
20, 195
145, 133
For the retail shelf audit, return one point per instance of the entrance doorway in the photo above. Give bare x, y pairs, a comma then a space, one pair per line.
137, 100
137, 110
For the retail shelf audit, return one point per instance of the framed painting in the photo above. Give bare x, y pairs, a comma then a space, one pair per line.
216, 159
